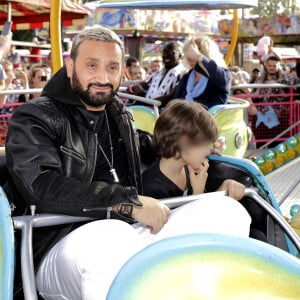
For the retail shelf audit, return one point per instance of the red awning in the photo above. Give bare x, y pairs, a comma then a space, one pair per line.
30, 14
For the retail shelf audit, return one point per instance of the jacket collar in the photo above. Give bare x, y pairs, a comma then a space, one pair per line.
59, 89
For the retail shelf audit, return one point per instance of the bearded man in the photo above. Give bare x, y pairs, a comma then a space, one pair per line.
74, 151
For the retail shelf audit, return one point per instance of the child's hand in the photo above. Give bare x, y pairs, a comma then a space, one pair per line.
198, 177
235, 189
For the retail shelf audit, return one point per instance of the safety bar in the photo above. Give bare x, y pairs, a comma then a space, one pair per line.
21, 91
275, 215
155, 103
262, 85
28, 222
178, 201
25, 224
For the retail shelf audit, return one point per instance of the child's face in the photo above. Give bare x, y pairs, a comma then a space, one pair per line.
195, 155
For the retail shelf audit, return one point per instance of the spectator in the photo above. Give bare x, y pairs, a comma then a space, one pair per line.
271, 120
138, 73
249, 113
35, 52
14, 57
265, 49
255, 75
37, 79
5, 43
47, 69
3, 77
155, 66
243, 77
161, 85
130, 64
209, 80
11, 83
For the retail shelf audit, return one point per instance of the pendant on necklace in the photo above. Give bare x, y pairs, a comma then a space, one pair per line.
114, 174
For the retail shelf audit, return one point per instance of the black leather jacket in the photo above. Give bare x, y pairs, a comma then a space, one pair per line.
51, 154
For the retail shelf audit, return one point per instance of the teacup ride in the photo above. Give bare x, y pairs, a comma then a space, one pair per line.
234, 134
198, 266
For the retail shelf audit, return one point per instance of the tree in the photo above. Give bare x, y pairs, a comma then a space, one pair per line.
269, 8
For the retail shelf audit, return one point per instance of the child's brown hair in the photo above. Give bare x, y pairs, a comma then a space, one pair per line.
181, 118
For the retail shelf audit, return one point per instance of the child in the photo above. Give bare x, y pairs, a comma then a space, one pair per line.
183, 137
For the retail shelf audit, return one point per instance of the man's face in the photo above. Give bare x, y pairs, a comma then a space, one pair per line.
170, 57
96, 73
272, 67
155, 66
255, 74
138, 73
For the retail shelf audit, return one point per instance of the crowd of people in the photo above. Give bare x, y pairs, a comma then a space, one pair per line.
269, 120
14, 75
195, 72
198, 73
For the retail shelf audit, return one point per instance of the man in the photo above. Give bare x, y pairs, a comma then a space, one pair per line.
161, 85
74, 151
131, 63
155, 66
14, 57
36, 52
255, 75
138, 73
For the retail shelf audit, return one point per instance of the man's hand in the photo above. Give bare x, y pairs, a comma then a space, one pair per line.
5, 43
198, 178
154, 214
235, 189
191, 50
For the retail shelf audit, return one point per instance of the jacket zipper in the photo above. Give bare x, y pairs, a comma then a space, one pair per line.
71, 153
95, 158
132, 153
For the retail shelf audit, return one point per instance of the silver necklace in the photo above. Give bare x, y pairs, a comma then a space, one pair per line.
112, 170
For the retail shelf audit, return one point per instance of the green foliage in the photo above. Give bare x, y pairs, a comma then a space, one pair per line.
23, 35
269, 8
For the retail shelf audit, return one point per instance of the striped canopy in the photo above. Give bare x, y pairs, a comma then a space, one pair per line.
178, 4
30, 14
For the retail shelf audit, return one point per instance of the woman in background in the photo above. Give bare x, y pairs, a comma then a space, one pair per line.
208, 82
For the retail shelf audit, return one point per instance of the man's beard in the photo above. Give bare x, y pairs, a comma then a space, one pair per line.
94, 100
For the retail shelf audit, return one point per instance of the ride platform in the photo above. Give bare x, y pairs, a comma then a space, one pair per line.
285, 184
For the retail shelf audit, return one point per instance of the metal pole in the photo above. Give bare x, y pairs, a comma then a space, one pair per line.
55, 33
9, 11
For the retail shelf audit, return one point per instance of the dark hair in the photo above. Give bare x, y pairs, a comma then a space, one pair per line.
130, 61
273, 58
181, 118
173, 46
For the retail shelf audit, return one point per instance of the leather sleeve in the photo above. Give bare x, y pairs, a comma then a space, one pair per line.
35, 166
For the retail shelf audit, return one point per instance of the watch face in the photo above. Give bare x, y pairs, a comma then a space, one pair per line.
126, 210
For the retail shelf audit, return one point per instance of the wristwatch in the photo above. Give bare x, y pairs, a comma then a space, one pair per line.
125, 210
